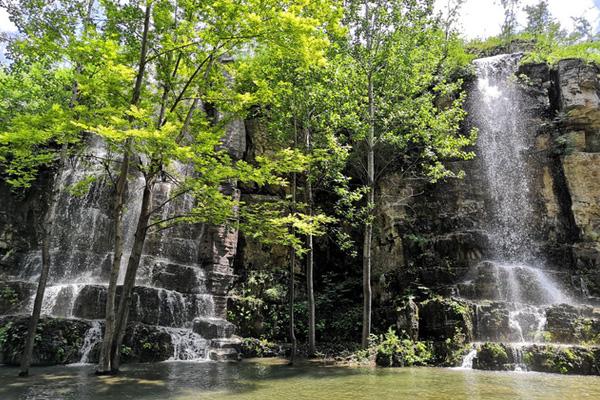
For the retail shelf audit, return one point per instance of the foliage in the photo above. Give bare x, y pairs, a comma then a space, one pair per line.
253, 347
391, 351
9, 295
588, 51
258, 305
4, 332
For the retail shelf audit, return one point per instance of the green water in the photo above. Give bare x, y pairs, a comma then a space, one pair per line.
266, 380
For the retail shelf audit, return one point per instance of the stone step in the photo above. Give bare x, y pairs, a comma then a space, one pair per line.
230, 343
213, 328
226, 354
150, 305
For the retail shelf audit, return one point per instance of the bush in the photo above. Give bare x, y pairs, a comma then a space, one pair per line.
253, 347
391, 351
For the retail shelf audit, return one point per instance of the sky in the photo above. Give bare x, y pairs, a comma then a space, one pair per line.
483, 18
480, 18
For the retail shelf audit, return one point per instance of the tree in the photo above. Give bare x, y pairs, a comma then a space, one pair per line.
539, 17
396, 69
35, 138
298, 109
175, 112
510, 25
191, 70
582, 31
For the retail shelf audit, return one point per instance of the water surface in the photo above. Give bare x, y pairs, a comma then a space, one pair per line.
272, 380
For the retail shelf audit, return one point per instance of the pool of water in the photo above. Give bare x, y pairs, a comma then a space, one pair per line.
272, 379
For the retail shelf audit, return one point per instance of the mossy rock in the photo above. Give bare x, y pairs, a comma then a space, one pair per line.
58, 340
492, 357
563, 360
442, 318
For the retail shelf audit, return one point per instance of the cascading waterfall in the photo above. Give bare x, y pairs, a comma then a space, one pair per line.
172, 290
515, 274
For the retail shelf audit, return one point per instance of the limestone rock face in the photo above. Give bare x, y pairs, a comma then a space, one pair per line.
408, 319
582, 171
579, 98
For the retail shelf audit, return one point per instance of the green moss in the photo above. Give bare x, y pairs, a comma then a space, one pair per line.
528, 358
497, 351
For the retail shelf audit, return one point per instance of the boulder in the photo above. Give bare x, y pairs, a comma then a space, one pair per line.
563, 360
213, 328
492, 357
408, 319
443, 318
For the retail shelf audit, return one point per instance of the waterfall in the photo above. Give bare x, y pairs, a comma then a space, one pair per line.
468, 360
187, 345
173, 286
92, 337
515, 275
502, 149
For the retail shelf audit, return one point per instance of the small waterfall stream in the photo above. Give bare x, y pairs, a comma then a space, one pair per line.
92, 337
515, 274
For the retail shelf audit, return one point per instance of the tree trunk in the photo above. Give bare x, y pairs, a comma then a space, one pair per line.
292, 300
110, 334
130, 275
292, 268
104, 366
368, 233
310, 292
46, 231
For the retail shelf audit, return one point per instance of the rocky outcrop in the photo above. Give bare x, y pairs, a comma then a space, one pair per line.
442, 318
540, 358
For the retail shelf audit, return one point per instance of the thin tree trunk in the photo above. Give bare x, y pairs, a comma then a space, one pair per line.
110, 334
292, 300
292, 268
368, 232
46, 230
310, 292
130, 275
104, 366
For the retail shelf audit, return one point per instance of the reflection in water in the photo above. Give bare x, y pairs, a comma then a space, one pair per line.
271, 379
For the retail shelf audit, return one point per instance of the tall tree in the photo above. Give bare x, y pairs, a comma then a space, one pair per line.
160, 102
396, 67
191, 71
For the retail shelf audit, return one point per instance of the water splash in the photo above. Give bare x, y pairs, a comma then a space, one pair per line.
187, 345
467, 362
92, 337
